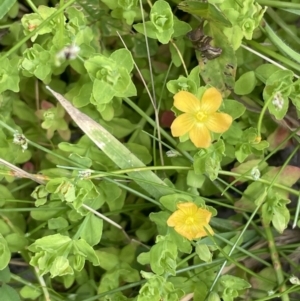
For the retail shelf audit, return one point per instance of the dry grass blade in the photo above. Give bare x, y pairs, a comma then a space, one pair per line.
115, 150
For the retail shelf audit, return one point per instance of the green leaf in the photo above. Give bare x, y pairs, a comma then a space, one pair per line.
57, 223
16, 242
213, 296
212, 167
182, 83
50, 243
177, 52
161, 24
111, 192
182, 243
253, 192
234, 108
5, 6
9, 75
206, 11
8, 293
4, 253
264, 71
233, 282
124, 58
161, 16
170, 201
31, 21
278, 88
219, 72
5, 275
60, 255
140, 151
29, 292
109, 258
163, 257
180, 28
157, 288
110, 76
119, 127
146, 231
195, 76
246, 168
195, 180
102, 92
148, 29
83, 161
203, 252
245, 84
47, 211
280, 219
89, 253
92, 229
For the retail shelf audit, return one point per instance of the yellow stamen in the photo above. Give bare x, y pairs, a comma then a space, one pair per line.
201, 116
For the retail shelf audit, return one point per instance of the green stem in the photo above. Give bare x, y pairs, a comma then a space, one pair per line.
13, 131
279, 4
140, 125
288, 189
232, 250
296, 213
276, 18
275, 260
273, 54
61, 25
32, 6
261, 116
152, 122
149, 120
270, 238
236, 262
281, 46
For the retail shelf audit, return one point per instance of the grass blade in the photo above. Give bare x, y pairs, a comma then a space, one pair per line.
115, 150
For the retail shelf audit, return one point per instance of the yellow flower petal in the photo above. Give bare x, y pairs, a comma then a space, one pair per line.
176, 218
218, 122
185, 232
182, 124
186, 102
211, 100
200, 136
188, 207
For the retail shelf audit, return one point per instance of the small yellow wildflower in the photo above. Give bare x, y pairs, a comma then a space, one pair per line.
189, 221
200, 116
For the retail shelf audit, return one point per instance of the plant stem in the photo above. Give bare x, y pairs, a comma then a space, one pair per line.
275, 261
61, 25
274, 55
270, 237
282, 24
32, 6
279, 4
288, 189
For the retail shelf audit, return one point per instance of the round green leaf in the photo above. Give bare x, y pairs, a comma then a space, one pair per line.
245, 84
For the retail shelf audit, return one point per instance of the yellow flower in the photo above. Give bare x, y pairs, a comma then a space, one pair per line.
189, 221
200, 116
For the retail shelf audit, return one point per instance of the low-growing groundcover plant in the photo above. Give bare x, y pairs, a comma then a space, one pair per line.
149, 150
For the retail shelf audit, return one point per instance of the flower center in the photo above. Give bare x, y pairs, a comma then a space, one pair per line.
189, 221
201, 116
